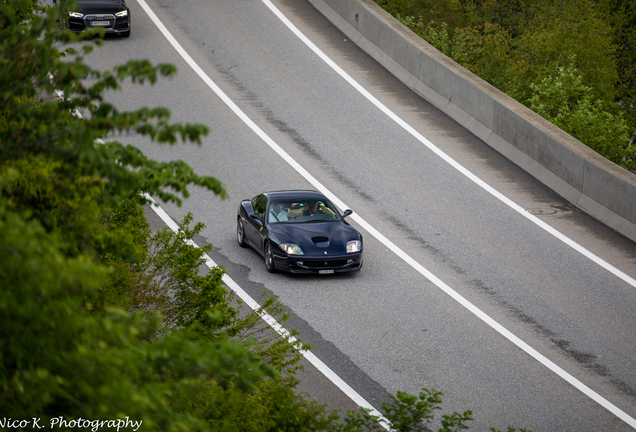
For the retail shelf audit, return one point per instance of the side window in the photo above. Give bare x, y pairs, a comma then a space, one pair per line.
259, 204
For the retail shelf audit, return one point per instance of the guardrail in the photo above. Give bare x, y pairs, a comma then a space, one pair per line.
592, 183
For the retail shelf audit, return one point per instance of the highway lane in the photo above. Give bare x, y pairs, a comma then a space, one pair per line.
396, 327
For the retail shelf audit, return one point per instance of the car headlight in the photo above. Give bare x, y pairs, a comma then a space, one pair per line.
122, 14
76, 14
291, 249
354, 246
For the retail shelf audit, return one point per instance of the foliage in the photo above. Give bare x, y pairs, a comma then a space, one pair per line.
127, 223
568, 103
24, 12
59, 358
408, 413
512, 15
438, 11
485, 50
573, 29
168, 280
273, 406
622, 17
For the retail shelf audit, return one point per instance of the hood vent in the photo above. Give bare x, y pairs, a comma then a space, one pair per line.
321, 242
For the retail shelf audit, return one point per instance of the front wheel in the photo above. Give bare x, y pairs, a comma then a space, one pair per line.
240, 233
269, 258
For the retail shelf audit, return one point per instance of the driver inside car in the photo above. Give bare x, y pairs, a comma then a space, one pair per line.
315, 208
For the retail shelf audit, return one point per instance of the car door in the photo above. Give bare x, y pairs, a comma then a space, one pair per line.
254, 225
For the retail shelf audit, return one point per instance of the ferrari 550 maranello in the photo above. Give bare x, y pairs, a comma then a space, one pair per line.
111, 15
299, 232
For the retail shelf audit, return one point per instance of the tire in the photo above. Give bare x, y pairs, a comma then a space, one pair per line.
126, 33
269, 258
240, 233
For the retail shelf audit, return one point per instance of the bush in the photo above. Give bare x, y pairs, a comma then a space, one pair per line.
565, 101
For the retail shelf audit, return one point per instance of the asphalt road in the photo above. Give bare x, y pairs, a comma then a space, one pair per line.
388, 328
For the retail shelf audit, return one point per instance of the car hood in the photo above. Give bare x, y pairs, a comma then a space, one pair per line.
100, 6
315, 238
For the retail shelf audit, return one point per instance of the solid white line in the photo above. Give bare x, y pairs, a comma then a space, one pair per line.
418, 267
271, 321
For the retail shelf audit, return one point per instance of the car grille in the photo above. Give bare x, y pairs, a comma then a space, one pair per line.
327, 263
100, 17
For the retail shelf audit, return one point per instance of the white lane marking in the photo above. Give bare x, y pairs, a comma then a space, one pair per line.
271, 321
443, 155
418, 267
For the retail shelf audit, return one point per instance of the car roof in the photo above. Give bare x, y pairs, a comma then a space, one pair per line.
295, 195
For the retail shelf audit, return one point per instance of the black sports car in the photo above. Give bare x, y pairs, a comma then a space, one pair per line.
112, 15
299, 232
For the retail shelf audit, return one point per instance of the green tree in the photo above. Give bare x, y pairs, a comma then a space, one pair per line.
562, 30
408, 413
568, 103
488, 51
622, 16
431, 11
512, 15
168, 280
60, 358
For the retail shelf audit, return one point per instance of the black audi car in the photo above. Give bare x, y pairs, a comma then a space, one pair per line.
111, 15
299, 232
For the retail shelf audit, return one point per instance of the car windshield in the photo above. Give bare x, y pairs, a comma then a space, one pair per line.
302, 211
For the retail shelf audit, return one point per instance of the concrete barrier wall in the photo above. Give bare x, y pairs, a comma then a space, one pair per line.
583, 177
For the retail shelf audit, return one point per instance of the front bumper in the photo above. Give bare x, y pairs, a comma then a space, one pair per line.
114, 24
318, 264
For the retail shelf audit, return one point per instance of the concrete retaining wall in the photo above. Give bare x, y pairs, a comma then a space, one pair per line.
583, 177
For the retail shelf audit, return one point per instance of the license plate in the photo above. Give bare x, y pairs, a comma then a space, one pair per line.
99, 23
325, 271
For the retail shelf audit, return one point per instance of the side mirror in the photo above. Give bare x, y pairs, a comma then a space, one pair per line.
257, 218
346, 213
